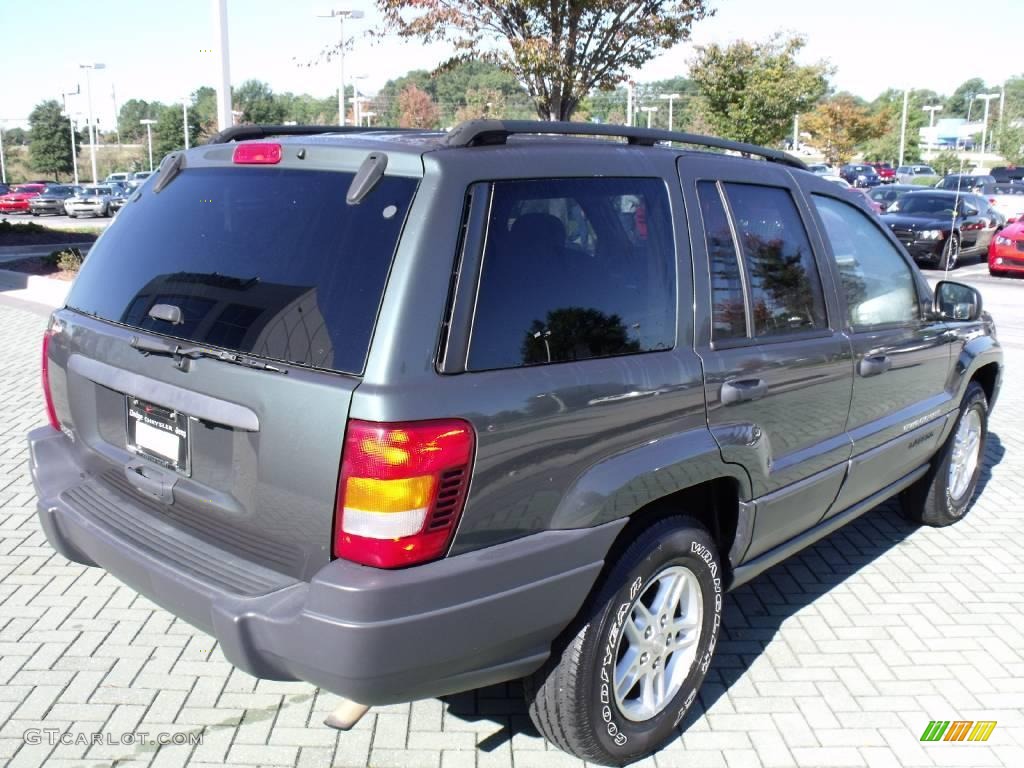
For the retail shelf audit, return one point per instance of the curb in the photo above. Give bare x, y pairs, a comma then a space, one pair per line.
35, 288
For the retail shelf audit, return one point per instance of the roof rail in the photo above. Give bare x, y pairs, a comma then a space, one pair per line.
244, 132
478, 133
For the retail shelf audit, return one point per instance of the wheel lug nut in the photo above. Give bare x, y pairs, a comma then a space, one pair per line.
647, 633
643, 658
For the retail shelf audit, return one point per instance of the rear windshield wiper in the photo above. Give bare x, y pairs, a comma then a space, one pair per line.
184, 355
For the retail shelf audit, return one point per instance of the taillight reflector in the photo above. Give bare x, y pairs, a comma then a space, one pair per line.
401, 490
257, 153
51, 414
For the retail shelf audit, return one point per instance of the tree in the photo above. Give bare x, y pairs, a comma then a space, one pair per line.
416, 109
1011, 144
16, 137
751, 91
257, 103
560, 51
49, 139
169, 131
204, 104
131, 112
959, 104
480, 103
838, 125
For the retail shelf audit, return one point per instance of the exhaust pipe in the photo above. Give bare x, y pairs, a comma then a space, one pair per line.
346, 715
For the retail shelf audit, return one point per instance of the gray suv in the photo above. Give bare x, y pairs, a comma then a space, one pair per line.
403, 414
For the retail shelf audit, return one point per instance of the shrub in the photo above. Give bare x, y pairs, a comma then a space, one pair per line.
69, 259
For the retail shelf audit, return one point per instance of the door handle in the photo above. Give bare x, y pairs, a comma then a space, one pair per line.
743, 390
873, 365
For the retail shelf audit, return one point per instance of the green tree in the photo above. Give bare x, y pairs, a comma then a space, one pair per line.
839, 124
15, 137
49, 146
959, 103
128, 117
751, 91
204, 104
560, 51
169, 131
1011, 144
258, 104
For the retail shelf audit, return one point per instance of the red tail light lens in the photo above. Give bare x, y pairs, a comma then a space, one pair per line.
51, 414
401, 490
257, 153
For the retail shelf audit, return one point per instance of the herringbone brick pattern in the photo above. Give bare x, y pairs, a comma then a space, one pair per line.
839, 657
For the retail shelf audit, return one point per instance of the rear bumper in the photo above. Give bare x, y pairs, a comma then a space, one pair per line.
373, 636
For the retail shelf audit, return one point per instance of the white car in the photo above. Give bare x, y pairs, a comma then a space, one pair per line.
836, 180
91, 201
1008, 199
906, 173
119, 177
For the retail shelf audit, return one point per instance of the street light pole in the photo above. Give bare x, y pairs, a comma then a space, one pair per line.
225, 119
986, 97
184, 118
341, 15
71, 126
931, 110
92, 125
3, 166
670, 98
149, 139
650, 111
903, 124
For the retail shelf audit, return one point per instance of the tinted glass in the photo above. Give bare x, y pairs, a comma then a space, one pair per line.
575, 269
877, 282
56, 190
916, 204
272, 262
785, 288
728, 315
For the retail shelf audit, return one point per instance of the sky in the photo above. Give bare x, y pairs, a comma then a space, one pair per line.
154, 54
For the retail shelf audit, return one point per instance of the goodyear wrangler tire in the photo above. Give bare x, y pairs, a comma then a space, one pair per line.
623, 676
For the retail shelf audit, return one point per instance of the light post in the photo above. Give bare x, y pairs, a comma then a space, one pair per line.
931, 110
341, 15
650, 111
369, 115
3, 166
986, 97
670, 98
149, 139
220, 25
184, 118
903, 124
92, 126
357, 99
71, 126
117, 122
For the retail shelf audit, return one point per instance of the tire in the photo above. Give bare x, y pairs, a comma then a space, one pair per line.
936, 499
951, 253
72, 215
572, 700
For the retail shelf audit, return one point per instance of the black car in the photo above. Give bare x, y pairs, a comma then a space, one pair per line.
51, 200
1004, 174
965, 182
860, 175
887, 194
939, 227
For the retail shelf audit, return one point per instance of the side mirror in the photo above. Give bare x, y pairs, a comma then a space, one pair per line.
956, 301
969, 210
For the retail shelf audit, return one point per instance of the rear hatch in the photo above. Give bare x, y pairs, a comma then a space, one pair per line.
210, 346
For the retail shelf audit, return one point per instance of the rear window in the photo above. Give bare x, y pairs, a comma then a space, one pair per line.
264, 261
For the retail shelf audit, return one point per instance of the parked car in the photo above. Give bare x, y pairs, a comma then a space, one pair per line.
940, 228
885, 172
141, 175
4, 189
821, 169
120, 177
861, 195
17, 200
1005, 174
906, 173
1008, 199
356, 471
91, 201
1006, 253
965, 182
119, 200
836, 180
51, 199
860, 175
888, 194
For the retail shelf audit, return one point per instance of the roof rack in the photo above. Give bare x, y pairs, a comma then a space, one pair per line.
245, 132
478, 133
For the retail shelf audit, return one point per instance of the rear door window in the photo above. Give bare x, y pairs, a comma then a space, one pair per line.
265, 261
574, 269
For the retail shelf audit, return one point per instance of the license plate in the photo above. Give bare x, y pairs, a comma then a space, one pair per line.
159, 434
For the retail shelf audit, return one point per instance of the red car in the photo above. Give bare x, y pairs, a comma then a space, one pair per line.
885, 172
1006, 251
862, 195
16, 201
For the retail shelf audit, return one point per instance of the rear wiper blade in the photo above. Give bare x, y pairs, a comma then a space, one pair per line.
184, 355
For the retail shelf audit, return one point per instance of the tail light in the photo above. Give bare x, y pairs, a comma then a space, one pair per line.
257, 153
401, 490
51, 414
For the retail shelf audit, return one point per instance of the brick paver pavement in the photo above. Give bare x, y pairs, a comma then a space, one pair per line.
838, 657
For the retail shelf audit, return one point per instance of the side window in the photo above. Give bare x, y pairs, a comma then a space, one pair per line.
785, 287
878, 283
728, 313
575, 269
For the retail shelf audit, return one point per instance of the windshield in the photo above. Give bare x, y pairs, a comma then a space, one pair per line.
95, 191
926, 205
56, 190
27, 188
272, 263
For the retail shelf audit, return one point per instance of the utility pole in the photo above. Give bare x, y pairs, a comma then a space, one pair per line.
92, 124
341, 15
650, 111
670, 98
903, 124
986, 97
225, 119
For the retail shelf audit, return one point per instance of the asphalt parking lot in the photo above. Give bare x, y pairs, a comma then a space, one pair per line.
838, 657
